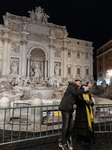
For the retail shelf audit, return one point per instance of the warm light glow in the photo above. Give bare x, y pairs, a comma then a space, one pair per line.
109, 73
107, 81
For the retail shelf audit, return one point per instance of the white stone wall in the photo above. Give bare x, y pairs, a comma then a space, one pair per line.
21, 36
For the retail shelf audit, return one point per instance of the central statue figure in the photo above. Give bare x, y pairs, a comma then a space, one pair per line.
37, 70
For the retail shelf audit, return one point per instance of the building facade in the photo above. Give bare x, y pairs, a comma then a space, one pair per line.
104, 63
32, 47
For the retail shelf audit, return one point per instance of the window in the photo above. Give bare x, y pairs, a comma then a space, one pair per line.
100, 67
77, 42
69, 53
106, 64
100, 59
69, 70
78, 54
87, 71
86, 55
78, 70
106, 56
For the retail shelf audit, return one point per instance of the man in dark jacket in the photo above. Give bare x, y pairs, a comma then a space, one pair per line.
67, 107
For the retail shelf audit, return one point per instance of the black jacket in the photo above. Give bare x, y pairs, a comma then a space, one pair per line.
69, 98
81, 122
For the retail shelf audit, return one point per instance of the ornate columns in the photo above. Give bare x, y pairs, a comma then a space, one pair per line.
74, 67
24, 54
8, 57
4, 64
91, 64
5, 51
1, 50
28, 71
42, 66
64, 62
45, 68
51, 71
51, 58
64, 57
24, 59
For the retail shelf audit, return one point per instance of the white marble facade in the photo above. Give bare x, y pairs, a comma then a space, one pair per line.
32, 47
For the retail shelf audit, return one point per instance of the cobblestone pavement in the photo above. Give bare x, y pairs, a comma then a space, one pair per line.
100, 142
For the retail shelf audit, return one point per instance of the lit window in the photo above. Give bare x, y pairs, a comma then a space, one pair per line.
78, 70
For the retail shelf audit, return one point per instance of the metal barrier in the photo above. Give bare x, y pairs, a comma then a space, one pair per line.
19, 124
103, 118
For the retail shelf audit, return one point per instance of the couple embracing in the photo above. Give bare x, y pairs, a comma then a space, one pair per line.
79, 99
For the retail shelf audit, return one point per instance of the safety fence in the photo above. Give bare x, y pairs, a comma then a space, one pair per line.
19, 124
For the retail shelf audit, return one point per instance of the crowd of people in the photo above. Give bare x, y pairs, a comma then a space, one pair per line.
77, 97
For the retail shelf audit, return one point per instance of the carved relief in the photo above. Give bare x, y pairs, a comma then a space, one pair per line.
15, 26
38, 16
57, 53
40, 38
14, 67
15, 47
57, 69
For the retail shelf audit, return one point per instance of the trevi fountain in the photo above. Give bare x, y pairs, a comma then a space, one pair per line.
38, 59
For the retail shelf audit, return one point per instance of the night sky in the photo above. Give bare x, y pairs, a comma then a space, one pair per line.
84, 19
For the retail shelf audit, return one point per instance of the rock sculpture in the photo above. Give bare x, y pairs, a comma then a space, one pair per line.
38, 15
50, 82
35, 72
102, 91
53, 82
32, 15
20, 81
45, 18
65, 33
59, 82
6, 21
25, 25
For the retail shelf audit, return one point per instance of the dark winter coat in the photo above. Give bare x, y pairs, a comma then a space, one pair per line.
81, 122
69, 98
